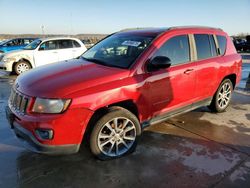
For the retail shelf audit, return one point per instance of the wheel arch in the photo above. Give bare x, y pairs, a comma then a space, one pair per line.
126, 104
21, 59
232, 78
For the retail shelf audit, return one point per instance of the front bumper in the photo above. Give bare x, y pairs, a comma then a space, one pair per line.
31, 143
6, 66
60, 144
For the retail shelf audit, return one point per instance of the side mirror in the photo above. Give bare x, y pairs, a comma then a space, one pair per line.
159, 62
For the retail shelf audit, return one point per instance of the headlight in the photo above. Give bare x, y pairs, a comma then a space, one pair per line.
9, 59
50, 106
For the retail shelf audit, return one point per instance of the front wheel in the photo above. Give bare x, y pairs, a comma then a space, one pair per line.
115, 134
222, 97
21, 66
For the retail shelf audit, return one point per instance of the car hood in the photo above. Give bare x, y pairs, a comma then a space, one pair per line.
16, 53
64, 78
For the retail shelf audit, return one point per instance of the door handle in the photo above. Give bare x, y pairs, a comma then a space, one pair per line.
188, 71
54, 52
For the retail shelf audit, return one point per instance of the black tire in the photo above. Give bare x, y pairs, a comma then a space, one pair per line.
21, 66
100, 128
218, 104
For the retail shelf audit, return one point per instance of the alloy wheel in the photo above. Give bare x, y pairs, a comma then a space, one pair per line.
116, 137
224, 95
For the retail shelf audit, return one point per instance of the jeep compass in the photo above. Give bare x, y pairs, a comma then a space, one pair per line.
129, 80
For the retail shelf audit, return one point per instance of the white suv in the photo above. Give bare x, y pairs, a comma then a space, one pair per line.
41, 52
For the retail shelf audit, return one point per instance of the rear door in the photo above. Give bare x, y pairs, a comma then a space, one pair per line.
78, 49
46, 53
207, 67
173, 87
65, 50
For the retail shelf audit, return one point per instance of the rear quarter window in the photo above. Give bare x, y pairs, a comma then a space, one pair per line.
222, 42
76, 44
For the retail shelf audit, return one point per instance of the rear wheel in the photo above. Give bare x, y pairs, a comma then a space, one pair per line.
222, 97
115, 134
22, 66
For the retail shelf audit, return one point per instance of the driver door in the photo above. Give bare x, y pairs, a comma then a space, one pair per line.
46, 53
173, 87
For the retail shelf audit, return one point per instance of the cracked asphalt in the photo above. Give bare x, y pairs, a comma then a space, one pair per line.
196, 149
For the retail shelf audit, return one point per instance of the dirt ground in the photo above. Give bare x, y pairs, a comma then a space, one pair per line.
196, 149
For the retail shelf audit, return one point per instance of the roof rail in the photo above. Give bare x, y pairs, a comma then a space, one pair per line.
194, 26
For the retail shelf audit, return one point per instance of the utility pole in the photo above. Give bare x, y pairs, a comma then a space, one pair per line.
42, 27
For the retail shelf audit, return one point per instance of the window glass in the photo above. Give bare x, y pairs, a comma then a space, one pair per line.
176, 49
14, 42
222, 41
33, 45
202, 46
49, 45
212, 45
76, 44
118, 50
63, 44
26, 41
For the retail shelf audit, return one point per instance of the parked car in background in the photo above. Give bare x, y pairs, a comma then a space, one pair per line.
247, 44
126, 82
87, 43
14, 44
42, 52
239, 44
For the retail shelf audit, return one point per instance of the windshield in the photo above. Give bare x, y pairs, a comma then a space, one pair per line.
118, 50
32, 45
3, 42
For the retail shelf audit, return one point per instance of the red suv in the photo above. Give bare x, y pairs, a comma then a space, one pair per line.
127, 81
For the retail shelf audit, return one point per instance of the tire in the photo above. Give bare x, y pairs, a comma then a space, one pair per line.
115, 134
222, 97
21, 66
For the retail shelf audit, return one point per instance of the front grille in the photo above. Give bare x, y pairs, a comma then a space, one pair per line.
18, 101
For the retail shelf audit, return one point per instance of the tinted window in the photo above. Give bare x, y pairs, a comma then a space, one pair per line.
222, 41
63, 44
15, 42
176, 49
49, 45
212, 45
76, 44
202, 46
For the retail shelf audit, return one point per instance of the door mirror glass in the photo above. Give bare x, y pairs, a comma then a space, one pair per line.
159, 62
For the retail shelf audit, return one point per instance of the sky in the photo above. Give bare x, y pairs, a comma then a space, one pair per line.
108, 16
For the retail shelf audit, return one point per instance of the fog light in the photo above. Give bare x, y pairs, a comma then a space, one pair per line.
44, 134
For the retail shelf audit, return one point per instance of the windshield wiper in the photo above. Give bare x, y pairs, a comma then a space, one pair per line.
100, 62
96, 61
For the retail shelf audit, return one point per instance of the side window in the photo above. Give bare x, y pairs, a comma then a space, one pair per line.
48, 45
222, 41
64, 44
10, 43
26, 41
14, 42
212, 45
76, 44
202, 46
176, 49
